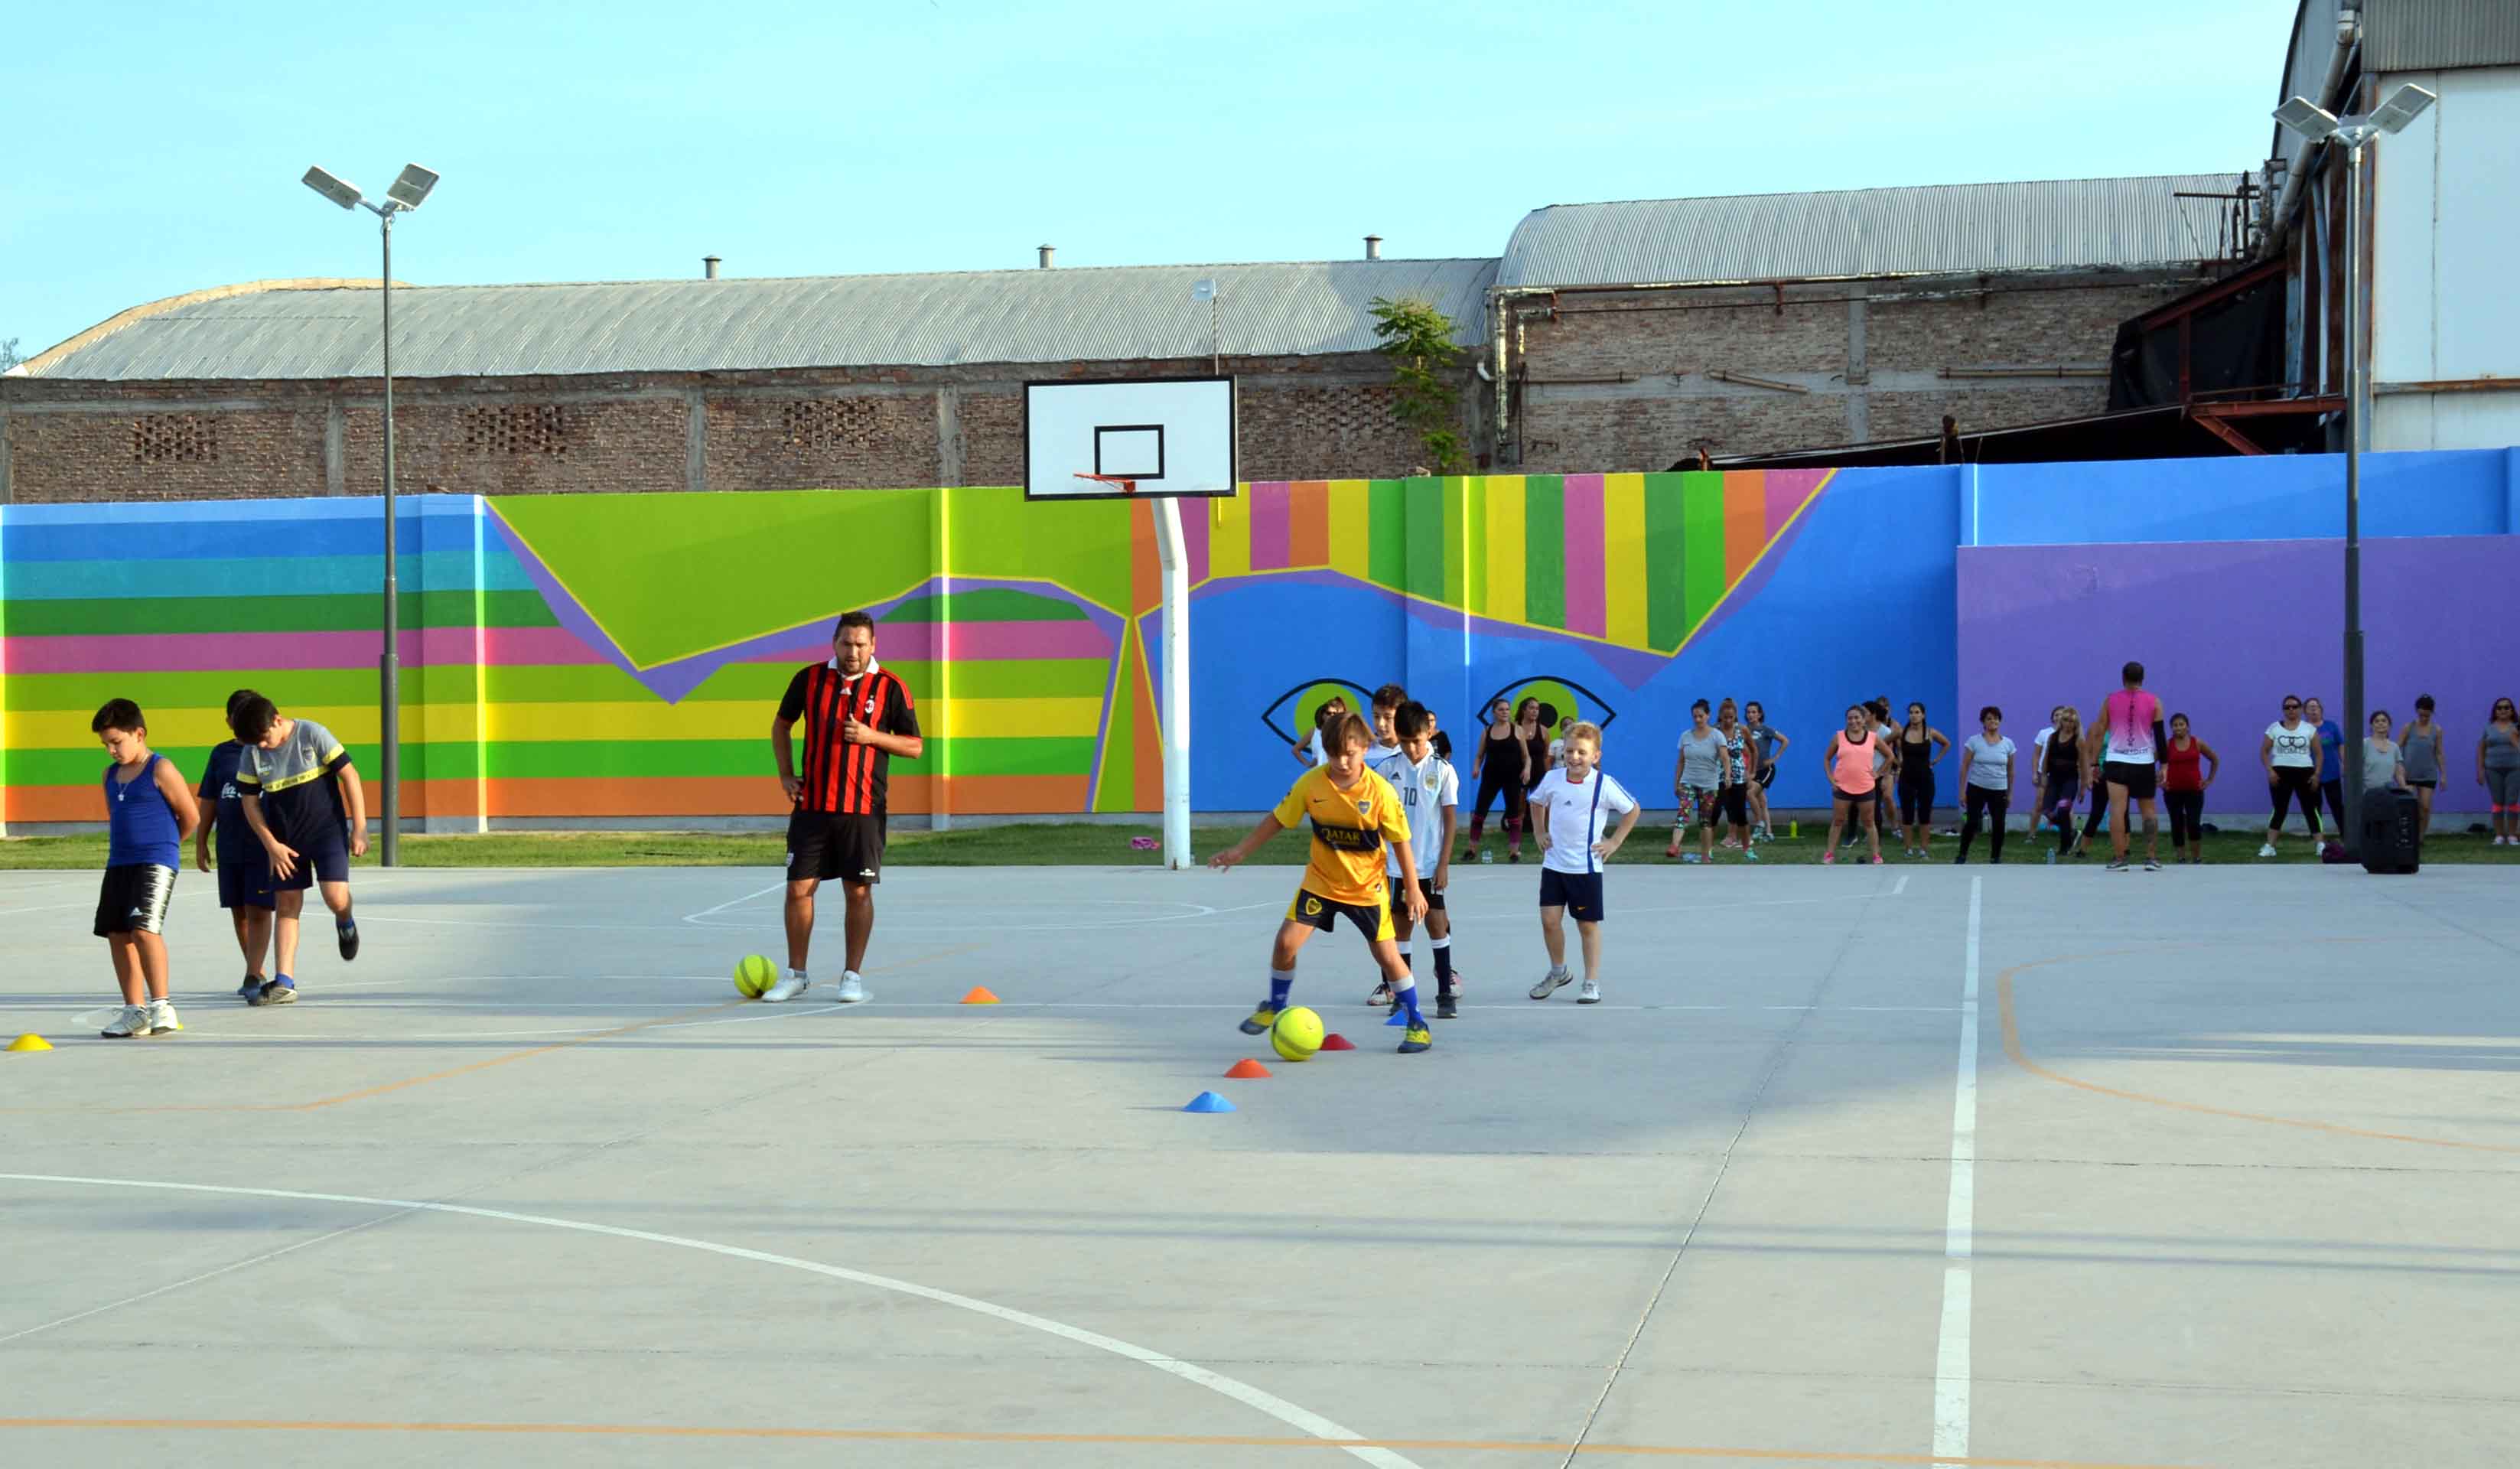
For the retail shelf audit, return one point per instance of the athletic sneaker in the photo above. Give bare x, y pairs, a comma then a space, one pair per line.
852, 989
1829, 859
1590, 995
1551, 983
1748, 856
1382, 994
790, 985
1673, 850
1261, 1020
346, 931
133, 1021
251, 992
1448, 1007
2152, 864
281, 990
1876, 860
2269, 849
163, 1020
1416, 1038
2119, 864
1514, 856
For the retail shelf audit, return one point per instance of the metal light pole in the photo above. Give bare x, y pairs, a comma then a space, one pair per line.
2402, 106
405, 194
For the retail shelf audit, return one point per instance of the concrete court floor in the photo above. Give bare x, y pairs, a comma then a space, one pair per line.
524, 1184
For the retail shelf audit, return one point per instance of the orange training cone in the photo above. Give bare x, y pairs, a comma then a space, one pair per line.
1334, 1041
1246, 1068
979, 995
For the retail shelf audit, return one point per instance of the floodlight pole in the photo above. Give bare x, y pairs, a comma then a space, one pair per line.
389, 662
2358, 424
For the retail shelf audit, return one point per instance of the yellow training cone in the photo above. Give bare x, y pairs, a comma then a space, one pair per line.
30, 1041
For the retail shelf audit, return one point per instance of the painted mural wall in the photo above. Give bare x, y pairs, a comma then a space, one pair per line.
619, 655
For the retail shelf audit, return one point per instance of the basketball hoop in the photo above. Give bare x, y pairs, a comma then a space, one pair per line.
1127, 484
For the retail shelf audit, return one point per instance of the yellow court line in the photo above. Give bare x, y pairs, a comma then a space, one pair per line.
1199, 1441
2013, 1048
685, 1017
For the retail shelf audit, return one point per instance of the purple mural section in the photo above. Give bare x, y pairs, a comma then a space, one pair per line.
2226, 629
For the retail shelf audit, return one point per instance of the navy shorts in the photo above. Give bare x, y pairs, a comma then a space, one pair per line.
1578, 893
244, 879
324, 857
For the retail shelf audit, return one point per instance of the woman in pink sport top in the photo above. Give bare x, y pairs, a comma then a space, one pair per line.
1848, 759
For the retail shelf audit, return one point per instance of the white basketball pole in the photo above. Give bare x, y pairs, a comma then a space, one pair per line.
1174, 716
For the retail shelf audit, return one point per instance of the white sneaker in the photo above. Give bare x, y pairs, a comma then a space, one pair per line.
1590, 995
2267, 851
1551, 983
163, 1018
852, 989
133, 1021
790, 985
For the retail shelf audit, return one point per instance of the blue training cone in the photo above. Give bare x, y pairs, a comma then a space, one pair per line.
1208, 1101
1399, 1016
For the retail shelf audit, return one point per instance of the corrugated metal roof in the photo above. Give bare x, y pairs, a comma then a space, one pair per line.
2422, 36
1951, 228
1113, 313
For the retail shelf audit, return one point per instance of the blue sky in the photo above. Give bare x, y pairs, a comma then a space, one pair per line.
155, 148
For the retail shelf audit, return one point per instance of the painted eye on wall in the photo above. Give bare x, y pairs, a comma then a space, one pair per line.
1560, 699
1298, 707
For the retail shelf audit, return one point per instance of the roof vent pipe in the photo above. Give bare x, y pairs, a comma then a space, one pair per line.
708, 268
1049, 255
1374, 247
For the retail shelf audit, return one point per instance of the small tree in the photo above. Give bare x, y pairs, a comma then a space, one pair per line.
9, 355
1417, 337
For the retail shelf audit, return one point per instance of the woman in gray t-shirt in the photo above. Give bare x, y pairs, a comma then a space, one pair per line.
1986, 781
1700, 778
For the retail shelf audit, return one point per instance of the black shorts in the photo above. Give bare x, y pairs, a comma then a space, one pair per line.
322, 857
827, 845
1311, 910
1400, 895
1767, 776
1578, 893
2137, 778
244, 879
1731, 805
133, 899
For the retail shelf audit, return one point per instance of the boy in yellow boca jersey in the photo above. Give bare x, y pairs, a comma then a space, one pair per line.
1353, 813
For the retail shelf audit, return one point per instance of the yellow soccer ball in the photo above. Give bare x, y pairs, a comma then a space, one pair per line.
1296, 1035
755, 974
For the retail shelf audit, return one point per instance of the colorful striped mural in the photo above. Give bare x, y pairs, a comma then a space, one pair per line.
587, 657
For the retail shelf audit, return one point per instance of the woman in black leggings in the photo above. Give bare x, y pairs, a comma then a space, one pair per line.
2290, 752
2064, 778
1497, 769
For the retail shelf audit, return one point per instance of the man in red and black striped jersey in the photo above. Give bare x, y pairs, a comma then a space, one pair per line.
857, 717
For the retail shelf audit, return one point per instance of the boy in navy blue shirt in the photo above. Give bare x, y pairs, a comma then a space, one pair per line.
244, 867
304, 800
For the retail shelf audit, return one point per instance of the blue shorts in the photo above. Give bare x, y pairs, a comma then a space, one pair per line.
1578, 893
324, 859
244, 879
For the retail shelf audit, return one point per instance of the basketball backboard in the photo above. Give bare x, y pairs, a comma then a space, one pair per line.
1144, 436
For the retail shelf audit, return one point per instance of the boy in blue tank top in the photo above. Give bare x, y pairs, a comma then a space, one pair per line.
244, 867
148, 812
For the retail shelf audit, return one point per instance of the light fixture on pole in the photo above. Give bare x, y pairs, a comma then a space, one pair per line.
2401, 107
407, 193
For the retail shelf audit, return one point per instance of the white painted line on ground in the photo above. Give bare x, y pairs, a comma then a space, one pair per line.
1952, 1353
734, 902
1288, 1413
98, 1310
1899, 886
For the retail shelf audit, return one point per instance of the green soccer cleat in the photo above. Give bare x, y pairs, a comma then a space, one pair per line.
1261, 1020
1414, 1040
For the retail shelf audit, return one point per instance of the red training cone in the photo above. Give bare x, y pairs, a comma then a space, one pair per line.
1334, 1041
1245, 1067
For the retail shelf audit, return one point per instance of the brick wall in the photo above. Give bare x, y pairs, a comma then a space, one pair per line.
824, 427
1636, 379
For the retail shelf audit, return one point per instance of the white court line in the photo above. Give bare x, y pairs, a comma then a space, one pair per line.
671, 1025
733, 902
1952, 1353
1240, 1392
98, 1310
1899, 886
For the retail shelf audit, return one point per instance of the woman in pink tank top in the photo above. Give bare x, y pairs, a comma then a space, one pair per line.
1848, 759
